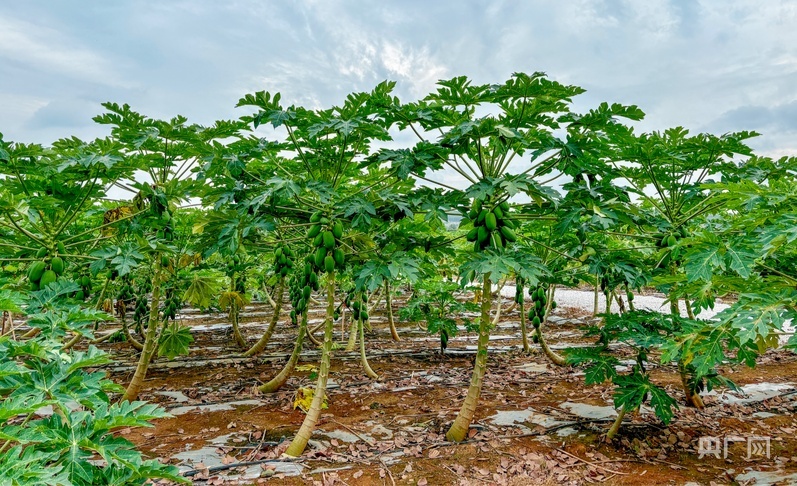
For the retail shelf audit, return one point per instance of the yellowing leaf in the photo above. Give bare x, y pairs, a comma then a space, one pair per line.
304, 398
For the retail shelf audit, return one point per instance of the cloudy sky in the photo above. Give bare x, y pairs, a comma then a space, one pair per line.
714, 66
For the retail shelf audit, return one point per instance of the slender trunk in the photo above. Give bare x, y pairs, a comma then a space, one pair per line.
616, 425
363, 358
608, 296
236, 329
630, 299
523, 330
692, 396
352, 335
689, 311
277, 290
130, 339
389, 304
596, 298
299, 442
260, 345
555, 358
459, 429
151, 339
279, 380
34, 331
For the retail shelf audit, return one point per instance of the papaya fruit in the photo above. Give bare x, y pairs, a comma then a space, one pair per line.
329, 240
85, 281
364, 315
477, 205
34, 286
36, 271
284, 271
314, 231
47, 278
320, 254
339, 257
61, 248
536, 321
472, 214
318, 241
504, 206
482, 216
508, 234
278, 252
41, 253
482, 234
316, 217
306, 291
499, 213
337, 230
671, 240
329, 264
472, 234
57, 265
490, 221
79, 295
164, 261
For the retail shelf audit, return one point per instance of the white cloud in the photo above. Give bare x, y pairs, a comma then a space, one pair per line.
47, 50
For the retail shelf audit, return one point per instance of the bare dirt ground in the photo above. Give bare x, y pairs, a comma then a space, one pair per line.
536, 423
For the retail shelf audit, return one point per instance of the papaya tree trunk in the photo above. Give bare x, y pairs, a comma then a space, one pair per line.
691, 395
459, 429
299, 442
279, 380
390, 320
523, 330
260, 345
352, 335
689, 311
236, 329
555, 358
71, 343
616, 425
363, 358
130, 338
151, 337
596, 297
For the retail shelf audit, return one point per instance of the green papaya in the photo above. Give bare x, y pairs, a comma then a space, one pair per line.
329, 264
323, 221
477, 205
508, 234
306, 291
164, 261
301, 305
472, 234
490, 221
314, 231
337, 230
505, 206
339, 257
316, 217
472, 214
284, 271
79, 295
278, 252
482, 234
532, 314
553, 305
318, 241
320, 254
329, 240
477, 246
41, 253
85, 281
283, 260
36, 271
671, 240
47, 278
499, 213
510, 223
34, 286
364, 315
482, 216
61, 248
536, 321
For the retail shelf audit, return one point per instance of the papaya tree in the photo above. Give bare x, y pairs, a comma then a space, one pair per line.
500, 141
322, 163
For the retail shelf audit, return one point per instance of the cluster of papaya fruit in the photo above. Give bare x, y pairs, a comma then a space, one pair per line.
47, 268
283, 260
171, 304
326, 237
668, 240
141, 311
358, 304
84, 280
492, 226
301, 287
539, 301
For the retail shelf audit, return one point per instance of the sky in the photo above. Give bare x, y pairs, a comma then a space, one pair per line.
715, 66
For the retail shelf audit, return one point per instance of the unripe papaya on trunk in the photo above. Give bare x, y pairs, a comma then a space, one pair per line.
47, 278
490, 221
